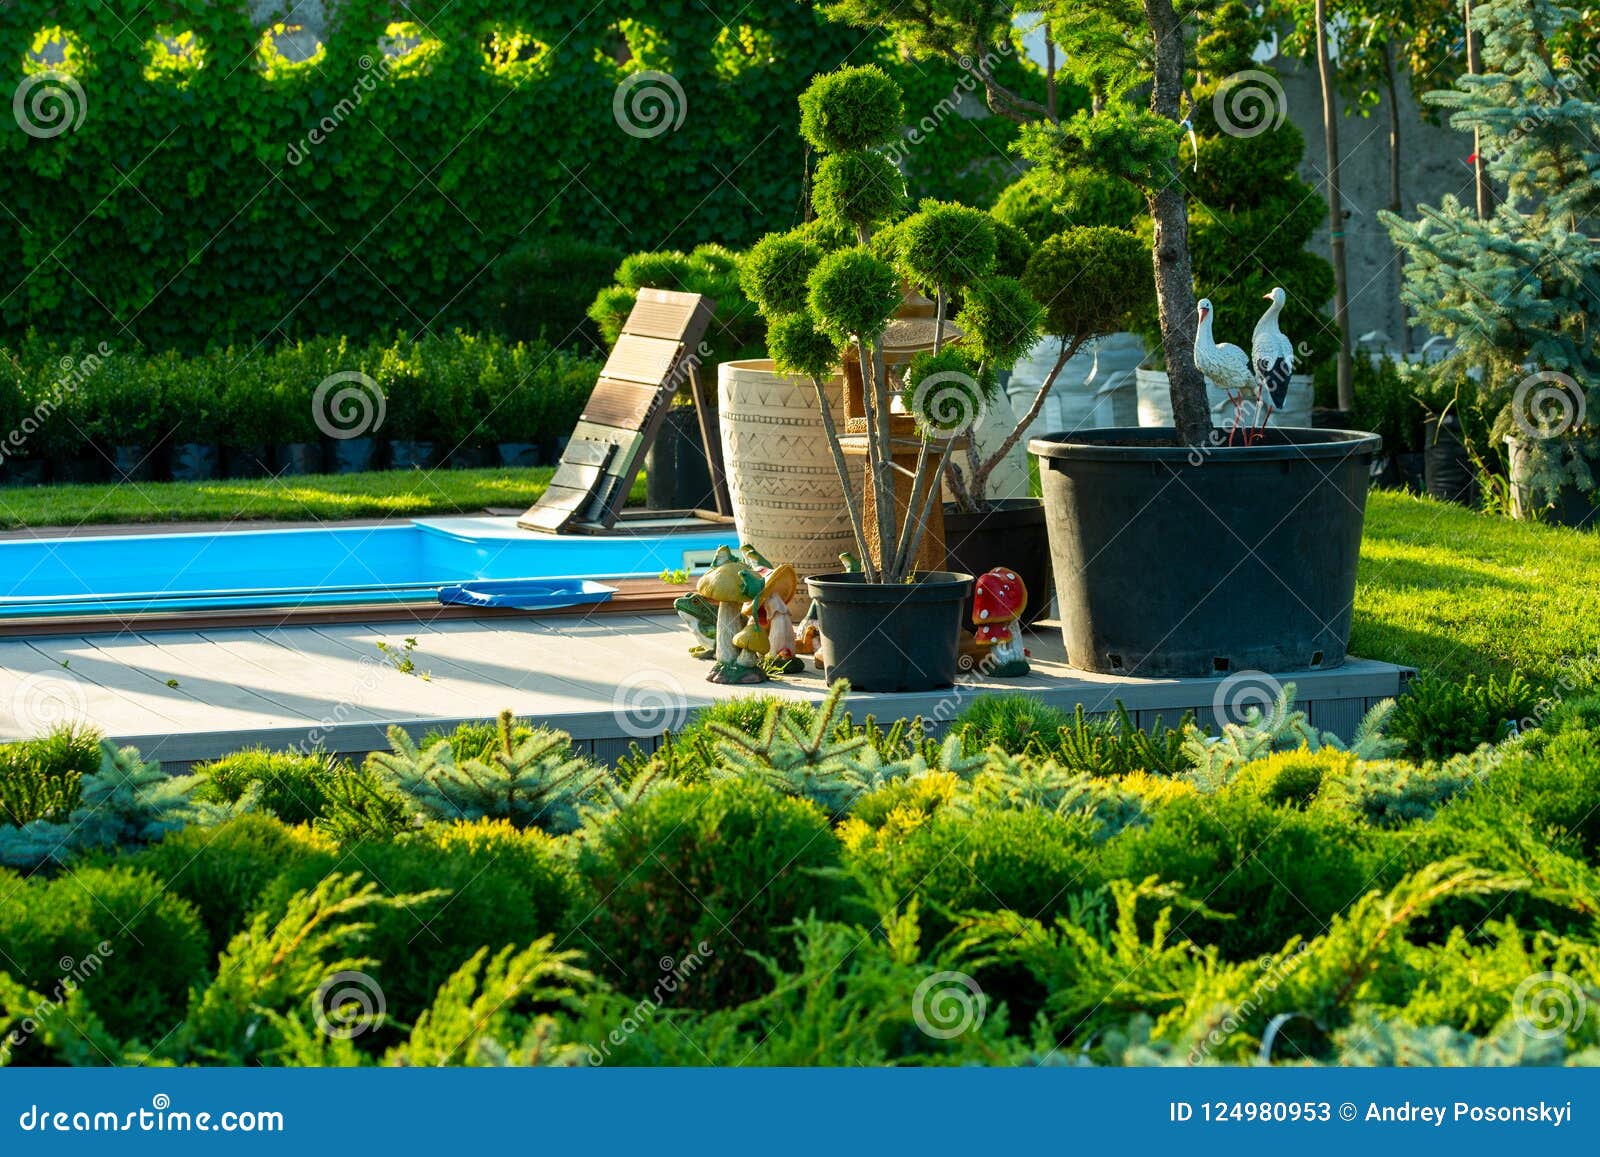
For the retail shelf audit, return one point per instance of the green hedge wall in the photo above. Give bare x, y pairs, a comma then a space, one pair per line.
185, 200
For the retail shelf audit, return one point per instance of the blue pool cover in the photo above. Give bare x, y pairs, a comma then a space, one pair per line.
526, 594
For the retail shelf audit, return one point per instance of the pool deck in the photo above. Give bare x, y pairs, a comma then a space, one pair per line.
609, 680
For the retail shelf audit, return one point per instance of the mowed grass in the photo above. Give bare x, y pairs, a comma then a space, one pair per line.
310, 498
1454, 593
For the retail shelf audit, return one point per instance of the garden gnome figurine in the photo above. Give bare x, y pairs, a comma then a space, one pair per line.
770, 611
729, 584
998, 600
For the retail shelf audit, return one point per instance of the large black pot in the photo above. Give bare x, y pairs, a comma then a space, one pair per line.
22, 472
351, 455
676, 473
408, 455
1569, 506
883, 637
295, 458
248, 461
518, 454
194, 461
1172, 561
1447, 467
1012, 534
131, 464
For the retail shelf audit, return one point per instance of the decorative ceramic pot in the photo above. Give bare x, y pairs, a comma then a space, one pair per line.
786, 494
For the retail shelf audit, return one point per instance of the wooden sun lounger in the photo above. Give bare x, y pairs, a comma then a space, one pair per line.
657, 352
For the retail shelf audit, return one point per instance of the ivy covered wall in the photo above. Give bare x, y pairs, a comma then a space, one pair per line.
180, 172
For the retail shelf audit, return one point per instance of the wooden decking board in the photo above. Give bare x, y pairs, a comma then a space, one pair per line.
587, 674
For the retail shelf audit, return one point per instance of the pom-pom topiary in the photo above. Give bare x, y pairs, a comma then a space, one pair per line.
859, 189
946, 246
774, 272
797, 346
853, 294
1000, 318
1090, 280
852, 108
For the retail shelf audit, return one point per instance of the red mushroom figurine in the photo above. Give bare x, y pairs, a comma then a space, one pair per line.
999, 598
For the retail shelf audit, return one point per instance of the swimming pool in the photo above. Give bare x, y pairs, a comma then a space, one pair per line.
317, 566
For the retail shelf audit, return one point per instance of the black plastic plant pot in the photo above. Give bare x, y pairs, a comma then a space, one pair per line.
1447, 466
1569, 505
246, 461
405, 455
194, 461
88, 468
297, 458
131, 464
1012, 534
351, 455
891, 637
677, 475
468, 458
22, 472
518, 455
1172, 561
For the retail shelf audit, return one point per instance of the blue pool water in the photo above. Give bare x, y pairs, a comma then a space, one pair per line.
402, 562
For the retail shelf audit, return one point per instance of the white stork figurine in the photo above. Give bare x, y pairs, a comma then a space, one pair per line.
1226, 365
1272, 355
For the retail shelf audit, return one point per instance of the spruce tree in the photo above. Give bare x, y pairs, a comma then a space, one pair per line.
1515, 290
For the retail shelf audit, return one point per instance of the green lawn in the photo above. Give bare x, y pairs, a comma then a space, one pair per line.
307, 497
1454, 593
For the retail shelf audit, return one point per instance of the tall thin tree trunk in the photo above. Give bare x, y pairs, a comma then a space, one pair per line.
1341, 276
1396, 206
1050, 71
1191, 413
1480, 176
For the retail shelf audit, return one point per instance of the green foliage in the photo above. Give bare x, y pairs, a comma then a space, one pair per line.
1438, 718
42, 778
1386, 403
1025, 782
116, 933
533, 780
850, 109
497, 885
192, 248
1043, 202
798, 346
1027, 860
945, 246
852, 295
1000, 319
710, 270
1103, 746
1279, 872
1090, 280
293, 787
543, 286
945, 391
493, 1011
125, 803
656, 892
859, 189
775, 271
